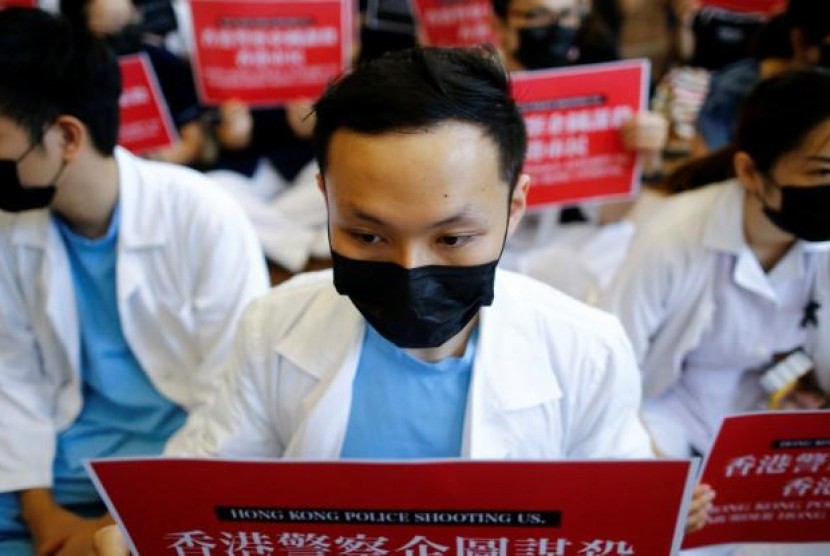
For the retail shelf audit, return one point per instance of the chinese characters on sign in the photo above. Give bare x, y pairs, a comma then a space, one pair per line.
454, 22
458, 508
772, 475
200, 543
573, 118
145, 120
268, 52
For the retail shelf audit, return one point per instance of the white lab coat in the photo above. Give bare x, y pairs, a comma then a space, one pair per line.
664, 293
188, 264
552, 378
664, 296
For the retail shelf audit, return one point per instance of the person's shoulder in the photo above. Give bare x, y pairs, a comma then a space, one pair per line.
681, 221
183, 189
292, 298
532, 301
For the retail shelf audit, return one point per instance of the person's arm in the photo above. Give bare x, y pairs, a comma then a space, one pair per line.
640, 291
229, 272
646, 134
238, 420
109, 541
187, 150
56, 530
235, 128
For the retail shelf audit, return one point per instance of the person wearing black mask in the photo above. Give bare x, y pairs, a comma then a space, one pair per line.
734, 276
800, 37
121, 281
542, 34
546, 34
116, 21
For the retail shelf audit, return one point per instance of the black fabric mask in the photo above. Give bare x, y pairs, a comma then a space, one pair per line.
16, 197
546, 46
421, 307
805, 212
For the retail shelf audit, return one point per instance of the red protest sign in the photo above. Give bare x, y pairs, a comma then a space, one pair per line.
268, 52
460, 508
764, 7
145, 120
454, 22
573, 118
771, 472
18, 4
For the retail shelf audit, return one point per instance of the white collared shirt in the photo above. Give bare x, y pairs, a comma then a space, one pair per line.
705, 317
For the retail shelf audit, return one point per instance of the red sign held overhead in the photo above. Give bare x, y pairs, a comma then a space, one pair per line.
145, 120
458, 508
771, 473
763, 7
18, 4
454, 22
268, 52
573, 117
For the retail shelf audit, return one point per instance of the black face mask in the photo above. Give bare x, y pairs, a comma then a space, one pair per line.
805, 212
546, 46
421, 307
16, 197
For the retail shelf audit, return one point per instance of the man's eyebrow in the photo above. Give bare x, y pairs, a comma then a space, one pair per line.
465, 213
819, 158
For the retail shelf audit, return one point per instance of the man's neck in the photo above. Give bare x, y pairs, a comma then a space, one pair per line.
454, 347
86, 198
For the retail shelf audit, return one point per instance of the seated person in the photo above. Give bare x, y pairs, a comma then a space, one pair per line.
806, 26
732, 277
415, 345
112, 19
121, 282
545, 34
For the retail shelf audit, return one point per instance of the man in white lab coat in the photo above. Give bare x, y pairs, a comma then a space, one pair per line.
121, 282
416, 346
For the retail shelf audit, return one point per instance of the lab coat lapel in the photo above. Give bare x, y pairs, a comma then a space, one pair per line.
325, 344
511, 373
35, 230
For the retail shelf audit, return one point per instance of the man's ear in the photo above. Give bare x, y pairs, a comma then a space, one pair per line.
748, 174
518, 203
72, 135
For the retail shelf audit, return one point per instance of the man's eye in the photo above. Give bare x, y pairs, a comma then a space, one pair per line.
366, 238
454, 241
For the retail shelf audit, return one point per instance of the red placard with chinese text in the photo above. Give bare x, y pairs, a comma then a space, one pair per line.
573, 117
765, 7
771, 473
454, 22
268, 52
460, 508
18, 4
145, 120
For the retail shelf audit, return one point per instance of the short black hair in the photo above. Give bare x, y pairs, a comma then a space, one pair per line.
420, 88
49, 69
812, 17
780, 112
